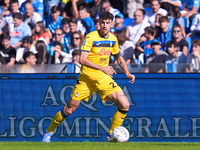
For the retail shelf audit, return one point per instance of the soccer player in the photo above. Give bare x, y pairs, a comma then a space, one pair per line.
96, 76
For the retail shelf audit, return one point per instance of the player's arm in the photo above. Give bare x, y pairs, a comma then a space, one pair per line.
84, 61
121, 62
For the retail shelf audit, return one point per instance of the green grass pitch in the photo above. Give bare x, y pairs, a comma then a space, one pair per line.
98, 146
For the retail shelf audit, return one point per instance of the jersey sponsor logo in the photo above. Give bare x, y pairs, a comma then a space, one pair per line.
104, 43
76, 95
98, 44
103, 59
14, 33
103, 51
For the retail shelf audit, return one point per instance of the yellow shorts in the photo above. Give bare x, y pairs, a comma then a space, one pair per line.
85, 88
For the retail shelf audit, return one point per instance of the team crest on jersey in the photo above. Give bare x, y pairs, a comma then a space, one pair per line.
111, 44
84, 42
76, 95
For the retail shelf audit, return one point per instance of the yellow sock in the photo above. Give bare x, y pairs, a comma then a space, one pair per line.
55, 122
118, 119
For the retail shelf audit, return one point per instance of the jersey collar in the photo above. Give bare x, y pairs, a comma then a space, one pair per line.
102, 35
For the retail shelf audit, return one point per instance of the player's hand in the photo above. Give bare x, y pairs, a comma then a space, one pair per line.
132, 77
109, 71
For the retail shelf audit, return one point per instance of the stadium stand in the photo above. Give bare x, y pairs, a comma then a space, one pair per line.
9, 25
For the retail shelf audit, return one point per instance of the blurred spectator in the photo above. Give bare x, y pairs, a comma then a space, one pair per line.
29, 61
7, 52
106, 6
178, 39
157, 27
169, 5
26, 46
8, 18
85, 19
118, 23
145, 46
59, 55
139, 55
194, 58
4, 11
76, 41
40, 33
157, 22
157, 59
14, 8
133, 5
73, 25
176, 59
195, 27
190, 9
65, 26
30, 17
29, 58
126, 47
37, 5
48, 4
76, 59
96, 24
74, 66
4, 8
151, 15
178, 19
165, 35
136, 28
71, 8
6, 4
18, 31
58, 38
94, 7
42, 55
54, 22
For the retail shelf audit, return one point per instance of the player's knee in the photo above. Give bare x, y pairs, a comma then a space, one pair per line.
126, 106
68, 111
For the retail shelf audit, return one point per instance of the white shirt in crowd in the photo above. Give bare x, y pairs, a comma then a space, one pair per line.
22, 50
196, 24
113, 11
136, 30
32, 20
151, 17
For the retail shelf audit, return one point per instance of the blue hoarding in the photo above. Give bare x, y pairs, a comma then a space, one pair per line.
164, 107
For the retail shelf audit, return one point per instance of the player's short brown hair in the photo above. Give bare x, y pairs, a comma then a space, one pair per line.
106, 15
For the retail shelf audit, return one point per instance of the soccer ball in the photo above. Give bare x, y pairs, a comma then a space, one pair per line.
120, 134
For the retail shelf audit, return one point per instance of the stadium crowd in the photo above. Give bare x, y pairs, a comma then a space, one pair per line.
149, 32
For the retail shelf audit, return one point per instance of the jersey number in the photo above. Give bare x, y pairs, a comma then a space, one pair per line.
113, 84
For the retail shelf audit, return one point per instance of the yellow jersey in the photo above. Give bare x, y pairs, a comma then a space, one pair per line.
100, 48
